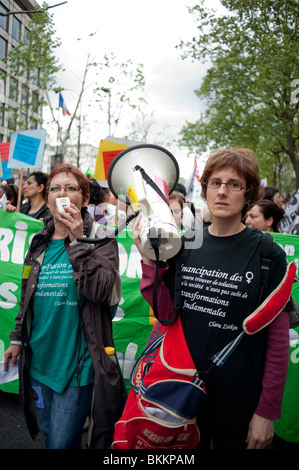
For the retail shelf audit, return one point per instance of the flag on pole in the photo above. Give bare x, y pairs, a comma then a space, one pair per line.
194, 176
62, 105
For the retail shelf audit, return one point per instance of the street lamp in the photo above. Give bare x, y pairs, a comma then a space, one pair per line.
108, 91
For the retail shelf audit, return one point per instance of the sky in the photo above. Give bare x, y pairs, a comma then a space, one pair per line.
145, 32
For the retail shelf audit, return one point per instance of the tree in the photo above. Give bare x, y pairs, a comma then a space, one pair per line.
32, 65
251, 88
126, 84
124, 87
63, 135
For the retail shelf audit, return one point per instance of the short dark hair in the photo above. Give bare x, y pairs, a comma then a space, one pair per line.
96, 192
270, 209
269, 192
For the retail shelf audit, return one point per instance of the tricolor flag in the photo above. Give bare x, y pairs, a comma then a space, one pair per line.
189, 185
62, 105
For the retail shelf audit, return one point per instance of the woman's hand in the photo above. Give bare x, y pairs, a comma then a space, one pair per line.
11, 354
10, 207
71, 217
260, 432
137, 226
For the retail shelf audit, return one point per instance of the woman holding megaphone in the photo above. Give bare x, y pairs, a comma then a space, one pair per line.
220, 285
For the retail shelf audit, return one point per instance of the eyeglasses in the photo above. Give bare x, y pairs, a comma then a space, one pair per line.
276, 197
232, 185
70, 189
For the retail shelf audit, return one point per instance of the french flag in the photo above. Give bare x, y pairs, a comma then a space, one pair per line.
62, 105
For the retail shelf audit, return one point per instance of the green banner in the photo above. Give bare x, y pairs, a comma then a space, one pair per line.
16, 232
288, 426
134, 319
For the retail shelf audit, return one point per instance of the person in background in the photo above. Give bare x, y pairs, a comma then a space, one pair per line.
64, 324
176, 204
34, 190
189, 209
273, 194
265, 215
243, 397
96, 197
3, 183
109, 206
11, 192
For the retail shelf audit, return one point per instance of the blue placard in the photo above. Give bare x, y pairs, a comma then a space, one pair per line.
7, 173
27, 149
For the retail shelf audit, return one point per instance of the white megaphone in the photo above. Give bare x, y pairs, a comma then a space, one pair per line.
144, 175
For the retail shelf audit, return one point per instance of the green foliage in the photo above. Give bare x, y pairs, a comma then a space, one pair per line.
249, 90
33, 62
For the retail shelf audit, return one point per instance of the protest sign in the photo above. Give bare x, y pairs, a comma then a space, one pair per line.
290, 222
27, 149
288, 426
4, 155
109, 148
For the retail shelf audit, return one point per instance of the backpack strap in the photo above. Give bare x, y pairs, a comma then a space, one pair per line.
266, 258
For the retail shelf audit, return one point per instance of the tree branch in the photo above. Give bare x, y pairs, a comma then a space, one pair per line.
42, 10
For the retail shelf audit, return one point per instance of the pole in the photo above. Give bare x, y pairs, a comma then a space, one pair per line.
20, 189
57, 129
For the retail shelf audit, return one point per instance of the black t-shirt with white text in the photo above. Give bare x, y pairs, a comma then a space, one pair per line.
220, 286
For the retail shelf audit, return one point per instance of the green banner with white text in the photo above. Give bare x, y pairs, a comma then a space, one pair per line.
287, 427
16, 232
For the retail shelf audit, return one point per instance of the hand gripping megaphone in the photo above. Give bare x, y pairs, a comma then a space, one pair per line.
144, 175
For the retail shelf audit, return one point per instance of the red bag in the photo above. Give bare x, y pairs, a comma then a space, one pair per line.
165, 395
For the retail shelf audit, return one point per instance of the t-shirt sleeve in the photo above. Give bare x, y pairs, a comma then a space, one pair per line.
166, 310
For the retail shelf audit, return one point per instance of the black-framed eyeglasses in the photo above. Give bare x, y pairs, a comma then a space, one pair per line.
232, 185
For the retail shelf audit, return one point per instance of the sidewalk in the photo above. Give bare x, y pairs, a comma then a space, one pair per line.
13, 429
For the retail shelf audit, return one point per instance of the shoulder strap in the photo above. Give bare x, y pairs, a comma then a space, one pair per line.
266, 258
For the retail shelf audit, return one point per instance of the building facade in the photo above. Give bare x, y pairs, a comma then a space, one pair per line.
20, 94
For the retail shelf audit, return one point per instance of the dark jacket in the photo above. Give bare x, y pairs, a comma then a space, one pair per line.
40, 214
94, 272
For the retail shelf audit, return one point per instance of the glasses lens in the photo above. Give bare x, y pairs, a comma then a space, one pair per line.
54, 189
234, 185
213, 183
71, 189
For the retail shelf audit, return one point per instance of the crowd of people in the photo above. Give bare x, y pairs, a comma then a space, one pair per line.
66, 375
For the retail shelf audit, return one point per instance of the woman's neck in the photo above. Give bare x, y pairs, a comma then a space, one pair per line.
36, 203
60, 230
225, 227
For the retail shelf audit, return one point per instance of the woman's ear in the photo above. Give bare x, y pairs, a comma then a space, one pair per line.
269, 222
86, 200
41, 188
